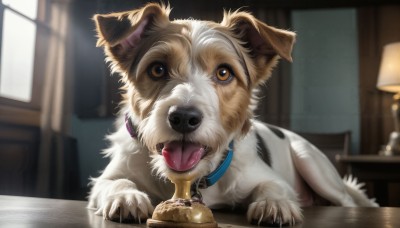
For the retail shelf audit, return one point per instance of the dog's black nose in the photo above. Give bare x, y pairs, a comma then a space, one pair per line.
185, 119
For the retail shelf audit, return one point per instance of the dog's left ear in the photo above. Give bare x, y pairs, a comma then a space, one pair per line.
265, 42
263, 39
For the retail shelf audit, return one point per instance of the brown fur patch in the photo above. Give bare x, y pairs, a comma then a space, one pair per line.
234, 97
170, 49
234, 103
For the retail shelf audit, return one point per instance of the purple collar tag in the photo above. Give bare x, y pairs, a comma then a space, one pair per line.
129, 126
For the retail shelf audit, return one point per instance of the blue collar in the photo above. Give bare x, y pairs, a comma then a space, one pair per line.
214, 176
205, 181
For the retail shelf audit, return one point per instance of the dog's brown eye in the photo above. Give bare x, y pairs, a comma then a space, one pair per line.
224, 73
157, 71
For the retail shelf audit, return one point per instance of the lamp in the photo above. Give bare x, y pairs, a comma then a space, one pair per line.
389, 81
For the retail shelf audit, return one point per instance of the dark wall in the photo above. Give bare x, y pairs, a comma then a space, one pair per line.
96, 90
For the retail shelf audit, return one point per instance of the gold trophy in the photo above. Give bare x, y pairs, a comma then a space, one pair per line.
181, 210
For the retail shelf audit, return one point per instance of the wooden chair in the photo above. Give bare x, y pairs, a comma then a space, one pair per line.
332, 145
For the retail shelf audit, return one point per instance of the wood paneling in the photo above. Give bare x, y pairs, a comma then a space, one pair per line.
19, 116
18, 159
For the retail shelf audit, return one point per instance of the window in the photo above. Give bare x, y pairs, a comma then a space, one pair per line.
22, 40
18, 28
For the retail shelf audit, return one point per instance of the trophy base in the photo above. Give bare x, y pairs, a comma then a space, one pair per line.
152, 223
182, 213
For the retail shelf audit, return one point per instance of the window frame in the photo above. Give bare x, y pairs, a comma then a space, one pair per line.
21, 112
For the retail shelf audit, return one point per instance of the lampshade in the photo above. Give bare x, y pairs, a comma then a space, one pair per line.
389, 73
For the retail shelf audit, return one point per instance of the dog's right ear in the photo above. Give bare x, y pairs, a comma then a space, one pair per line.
121, 32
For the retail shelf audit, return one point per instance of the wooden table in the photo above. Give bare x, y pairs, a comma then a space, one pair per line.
380, 170
38, 212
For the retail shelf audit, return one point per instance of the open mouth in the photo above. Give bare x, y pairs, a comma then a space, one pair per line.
182, 156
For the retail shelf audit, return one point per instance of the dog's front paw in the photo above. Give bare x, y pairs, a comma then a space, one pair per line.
274, 212
127, 206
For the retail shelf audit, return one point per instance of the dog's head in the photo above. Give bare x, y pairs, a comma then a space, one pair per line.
190, 84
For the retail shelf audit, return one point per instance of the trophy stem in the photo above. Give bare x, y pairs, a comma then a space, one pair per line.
182, 189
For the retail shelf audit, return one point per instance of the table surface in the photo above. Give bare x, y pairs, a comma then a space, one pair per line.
38, 212
369, 159
373, 167
378, 169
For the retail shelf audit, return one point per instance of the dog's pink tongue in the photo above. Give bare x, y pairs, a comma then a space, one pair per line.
182, 156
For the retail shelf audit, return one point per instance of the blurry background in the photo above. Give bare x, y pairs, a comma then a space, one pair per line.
58, 99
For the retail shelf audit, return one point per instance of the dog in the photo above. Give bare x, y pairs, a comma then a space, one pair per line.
190, 88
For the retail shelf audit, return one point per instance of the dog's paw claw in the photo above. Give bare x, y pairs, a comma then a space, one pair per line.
274, 213
130, 206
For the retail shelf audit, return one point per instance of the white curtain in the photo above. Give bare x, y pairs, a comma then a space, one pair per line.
56, 100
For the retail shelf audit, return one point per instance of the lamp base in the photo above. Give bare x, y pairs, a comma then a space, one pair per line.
393, 146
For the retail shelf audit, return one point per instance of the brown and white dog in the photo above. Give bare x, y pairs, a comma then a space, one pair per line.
190, 93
